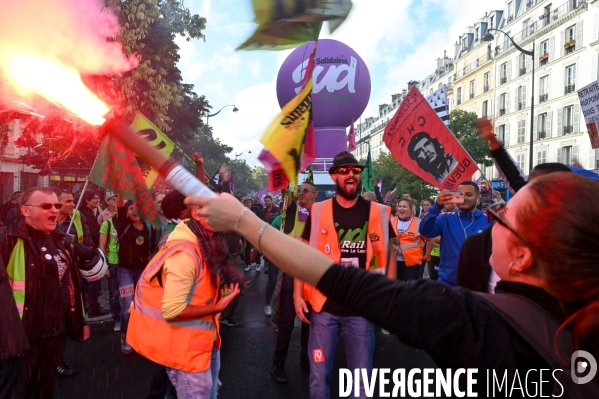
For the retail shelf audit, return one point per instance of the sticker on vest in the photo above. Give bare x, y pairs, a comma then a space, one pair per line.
411, 234
303, 214
323, 231
139, 240
318, 355
327, 248
349, 262
373, 237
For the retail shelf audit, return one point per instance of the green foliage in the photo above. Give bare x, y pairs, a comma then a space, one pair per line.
463, 126
260, 176
396, 176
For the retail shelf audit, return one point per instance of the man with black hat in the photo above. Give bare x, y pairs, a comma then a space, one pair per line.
355, 233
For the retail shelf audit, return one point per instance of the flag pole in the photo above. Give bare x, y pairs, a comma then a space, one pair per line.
82, 192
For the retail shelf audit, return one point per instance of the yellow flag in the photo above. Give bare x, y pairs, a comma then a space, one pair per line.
156, 138
285, 137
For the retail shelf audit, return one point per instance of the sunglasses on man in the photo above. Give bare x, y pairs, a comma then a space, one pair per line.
47, 206
304, 191
344, 170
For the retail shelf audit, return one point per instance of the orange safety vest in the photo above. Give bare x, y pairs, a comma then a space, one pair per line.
181, 345
323, 237
410, 242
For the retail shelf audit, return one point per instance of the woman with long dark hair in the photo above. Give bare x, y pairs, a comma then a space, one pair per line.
545, 256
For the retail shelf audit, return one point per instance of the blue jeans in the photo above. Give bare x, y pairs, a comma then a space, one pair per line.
197, 385
358, 335
113, 293
127, 278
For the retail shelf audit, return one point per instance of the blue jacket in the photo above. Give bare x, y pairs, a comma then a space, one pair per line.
453, 229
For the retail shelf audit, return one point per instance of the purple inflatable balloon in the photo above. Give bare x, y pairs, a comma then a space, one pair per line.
341, 90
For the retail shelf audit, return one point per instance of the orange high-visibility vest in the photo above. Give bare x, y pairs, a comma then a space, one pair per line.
323, 237
181, 345
410, 242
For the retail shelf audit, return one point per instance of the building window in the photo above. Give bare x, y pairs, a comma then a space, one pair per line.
459, 95
521, 97
526, 29
544, 89
521, 131
522, 63
542, 126
570, 79
464, 43
486, 81
476, 36
541, 157
502, 110
501, 135
570, 41
471, 89
503, 75
566, 157
568, 120
492, 20
489, 53
544, 56
506, 41
547, 15
521, 160
485, 111
509, 11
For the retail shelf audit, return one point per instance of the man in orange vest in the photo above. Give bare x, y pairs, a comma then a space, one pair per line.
355, 233
174, 320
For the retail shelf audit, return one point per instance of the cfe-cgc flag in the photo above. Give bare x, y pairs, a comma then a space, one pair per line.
117, 170
421, 143
288, 135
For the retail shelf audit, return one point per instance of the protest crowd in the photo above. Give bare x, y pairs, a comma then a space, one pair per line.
425, 264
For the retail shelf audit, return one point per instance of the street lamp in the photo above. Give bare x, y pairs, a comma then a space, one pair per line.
489, 38
238, 155
235, 109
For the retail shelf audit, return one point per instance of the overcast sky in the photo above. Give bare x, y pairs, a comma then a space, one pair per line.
398, 39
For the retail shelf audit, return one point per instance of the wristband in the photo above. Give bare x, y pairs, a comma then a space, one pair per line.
260, 235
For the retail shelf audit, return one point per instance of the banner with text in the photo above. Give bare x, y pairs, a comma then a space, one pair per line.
421, 143
589, 103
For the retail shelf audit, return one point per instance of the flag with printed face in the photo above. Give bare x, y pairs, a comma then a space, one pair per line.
438, 101
420, 142
118, 171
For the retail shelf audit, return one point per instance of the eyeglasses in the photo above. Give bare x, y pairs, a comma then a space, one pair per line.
46, 206
495, 213
344, 170
304, 191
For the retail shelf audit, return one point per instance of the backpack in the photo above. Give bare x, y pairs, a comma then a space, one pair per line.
538, 327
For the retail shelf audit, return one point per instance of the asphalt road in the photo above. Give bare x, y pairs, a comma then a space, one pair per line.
103, 371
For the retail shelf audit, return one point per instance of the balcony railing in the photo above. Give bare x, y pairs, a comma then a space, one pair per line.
520, 106
503, 79
541, 135
501, 111
486, 88
568, 129
543, 98
522, 71
570, 89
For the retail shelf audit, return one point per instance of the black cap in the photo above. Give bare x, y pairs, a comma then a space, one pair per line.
344, 159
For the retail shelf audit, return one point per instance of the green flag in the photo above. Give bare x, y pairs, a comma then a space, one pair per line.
118, 170
368, 174
310, 177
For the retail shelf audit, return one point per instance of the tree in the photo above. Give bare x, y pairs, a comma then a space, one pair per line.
396, 176
463, 126
260, 176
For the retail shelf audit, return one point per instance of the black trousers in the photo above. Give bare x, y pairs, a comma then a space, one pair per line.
286, 321
36, 369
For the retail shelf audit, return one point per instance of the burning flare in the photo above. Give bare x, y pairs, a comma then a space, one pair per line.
45, 46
